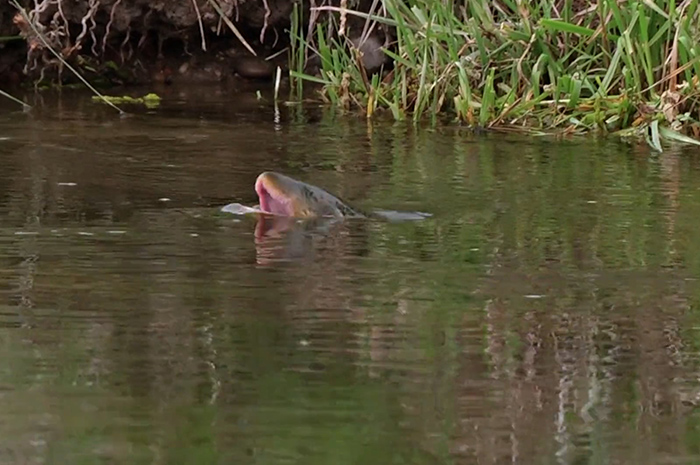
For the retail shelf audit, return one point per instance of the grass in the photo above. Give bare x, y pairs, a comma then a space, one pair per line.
576, 66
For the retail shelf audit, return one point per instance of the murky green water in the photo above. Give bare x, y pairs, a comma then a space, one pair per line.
547, 313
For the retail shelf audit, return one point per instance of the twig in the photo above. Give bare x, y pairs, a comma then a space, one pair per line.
379, 19
313, 15
65, 21
369, 24
276, 54
201, 26
92, 33
231, 26
267, 16
92, 8
124, 43
343, 17
109, 25
672, 75
14, 99
278, 77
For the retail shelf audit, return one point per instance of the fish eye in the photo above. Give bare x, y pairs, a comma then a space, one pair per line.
308, 193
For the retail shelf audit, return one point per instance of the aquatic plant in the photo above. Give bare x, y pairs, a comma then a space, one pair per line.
566, 65
149, 100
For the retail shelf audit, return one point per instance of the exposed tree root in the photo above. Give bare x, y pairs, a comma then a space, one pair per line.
157, 39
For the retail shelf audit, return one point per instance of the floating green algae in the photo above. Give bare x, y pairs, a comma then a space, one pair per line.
149, 100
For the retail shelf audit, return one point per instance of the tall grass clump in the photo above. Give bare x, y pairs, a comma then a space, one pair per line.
566, 64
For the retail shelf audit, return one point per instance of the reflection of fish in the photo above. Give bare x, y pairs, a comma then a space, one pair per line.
293, 216
282, 195
283, 238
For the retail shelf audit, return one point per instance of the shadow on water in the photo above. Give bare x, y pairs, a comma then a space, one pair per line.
546, 313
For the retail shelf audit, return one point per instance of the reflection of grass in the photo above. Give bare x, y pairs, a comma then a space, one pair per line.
536, 65
203, 352
526, 203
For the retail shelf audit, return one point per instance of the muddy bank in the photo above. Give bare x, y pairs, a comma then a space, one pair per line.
114, 42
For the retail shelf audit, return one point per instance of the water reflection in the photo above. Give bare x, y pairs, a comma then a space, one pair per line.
284, 238
546, 313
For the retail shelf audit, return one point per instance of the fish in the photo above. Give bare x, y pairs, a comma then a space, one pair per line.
281, 195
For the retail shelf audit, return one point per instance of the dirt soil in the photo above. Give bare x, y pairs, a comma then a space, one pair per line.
115, 42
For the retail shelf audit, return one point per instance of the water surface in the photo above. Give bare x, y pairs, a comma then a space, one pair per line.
547, 313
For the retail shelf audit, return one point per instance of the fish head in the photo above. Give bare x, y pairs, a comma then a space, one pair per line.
281, 195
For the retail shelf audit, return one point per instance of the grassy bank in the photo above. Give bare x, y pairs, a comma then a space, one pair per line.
569, 65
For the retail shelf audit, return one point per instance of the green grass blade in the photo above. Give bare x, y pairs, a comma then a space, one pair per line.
558, 25
655, 139
676, 136
308, 77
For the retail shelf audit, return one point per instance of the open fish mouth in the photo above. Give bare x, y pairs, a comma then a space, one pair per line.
273, 196
281, 195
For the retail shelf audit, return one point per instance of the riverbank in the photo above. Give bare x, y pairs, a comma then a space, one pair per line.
568, 66
125, 42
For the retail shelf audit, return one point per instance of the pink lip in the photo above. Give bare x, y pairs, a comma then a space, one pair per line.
269, 203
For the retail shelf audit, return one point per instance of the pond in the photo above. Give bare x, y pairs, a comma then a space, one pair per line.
546, 313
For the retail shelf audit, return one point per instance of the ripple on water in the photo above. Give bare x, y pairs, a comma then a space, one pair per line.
542, 314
